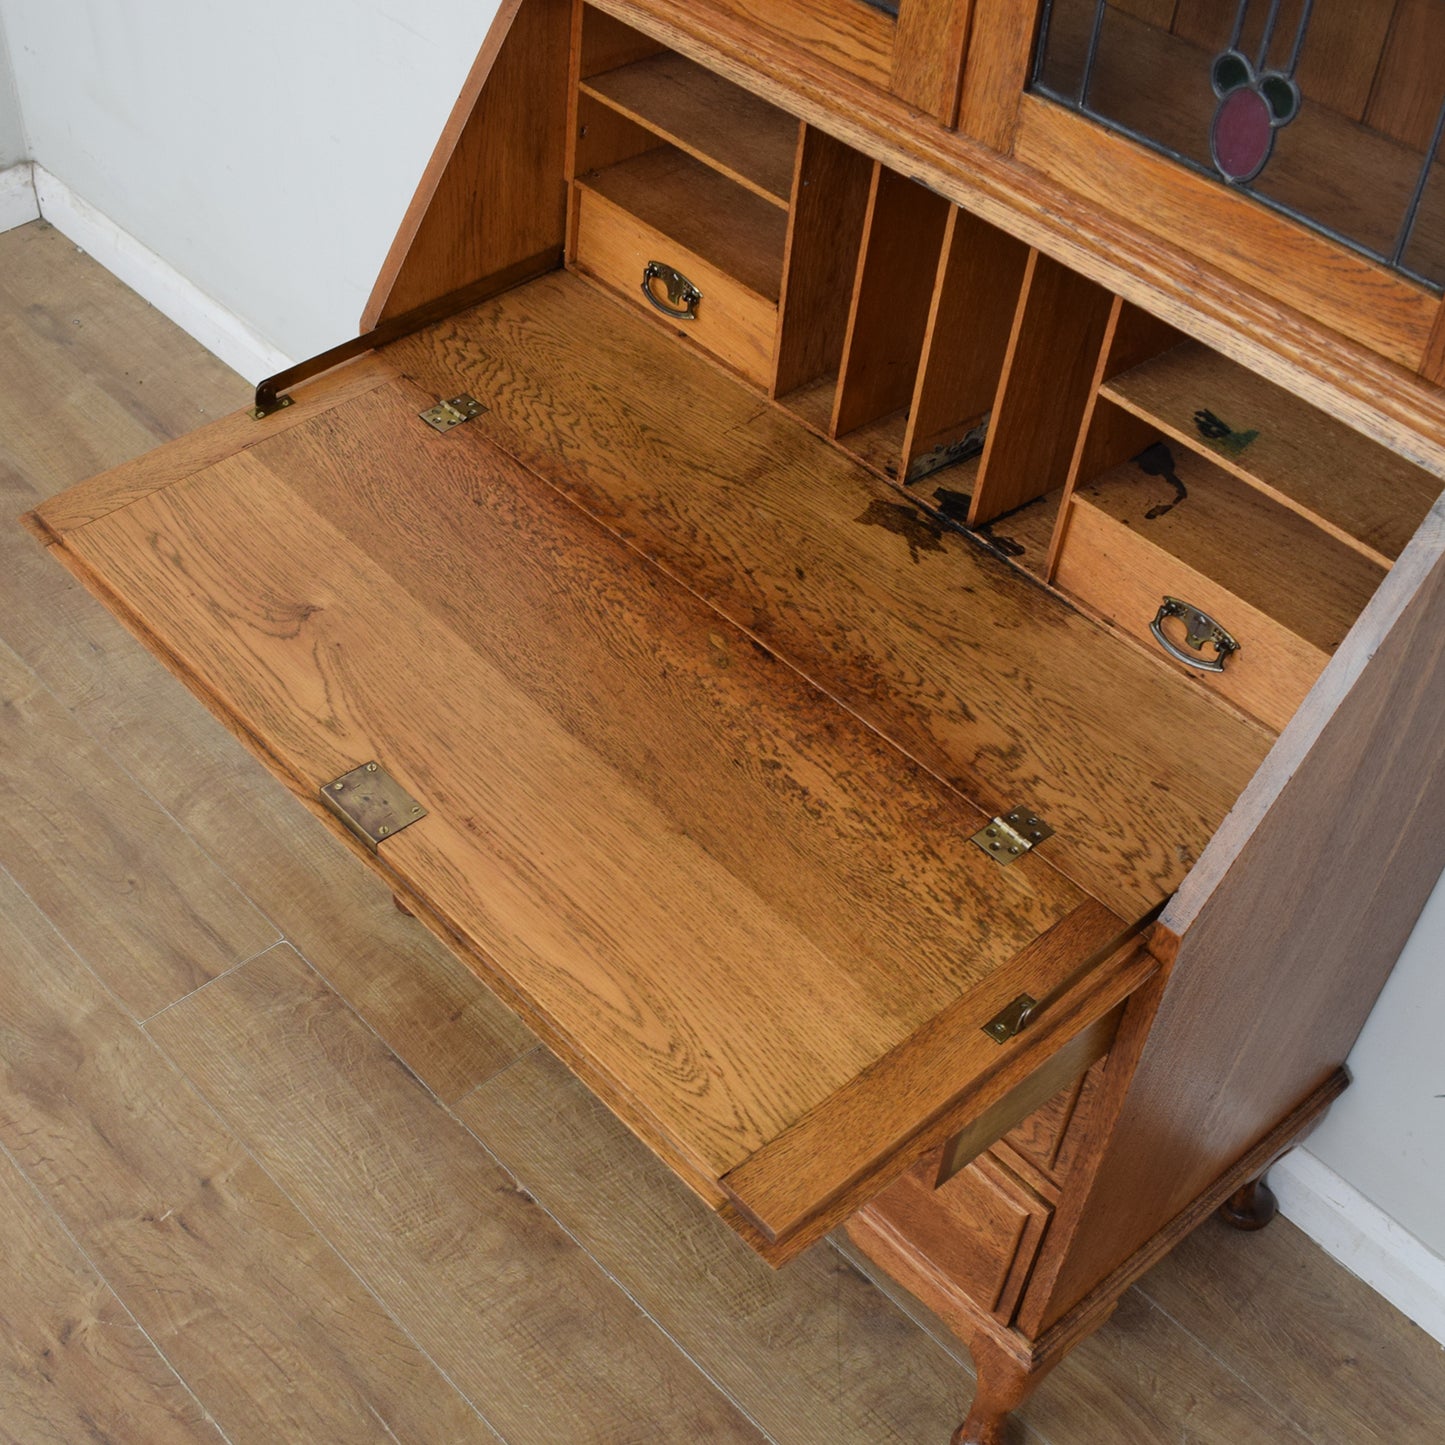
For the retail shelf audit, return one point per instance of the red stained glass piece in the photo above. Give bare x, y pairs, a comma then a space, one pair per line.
1242, 134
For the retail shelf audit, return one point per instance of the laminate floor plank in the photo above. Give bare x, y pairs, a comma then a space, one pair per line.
130, 891
262, 1319
777, 1339
846, 1367
76, 332
473, 1268
1139, 1378
1353, 1368
90, 374
74, 1365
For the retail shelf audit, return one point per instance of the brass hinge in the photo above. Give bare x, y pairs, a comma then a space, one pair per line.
269, 407
371, 803
1013, 835
1013, 1019
451, 412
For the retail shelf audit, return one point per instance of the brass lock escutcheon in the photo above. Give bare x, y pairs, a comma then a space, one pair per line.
1199, 628
682, 295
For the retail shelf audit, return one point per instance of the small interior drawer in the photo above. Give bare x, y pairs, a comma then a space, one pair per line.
736, 317
1169, 524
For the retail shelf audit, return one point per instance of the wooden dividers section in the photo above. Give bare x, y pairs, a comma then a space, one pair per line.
831, 186
969, 325
1048, 377
903, 237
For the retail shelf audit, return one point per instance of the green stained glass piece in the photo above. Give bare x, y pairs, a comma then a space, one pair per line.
1231, 70
1282, 96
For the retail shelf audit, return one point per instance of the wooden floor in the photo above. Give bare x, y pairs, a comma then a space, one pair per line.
274, 1168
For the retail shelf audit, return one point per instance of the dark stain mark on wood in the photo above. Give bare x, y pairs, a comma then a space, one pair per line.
953, 505
1158, 461
1220, 434
916, 528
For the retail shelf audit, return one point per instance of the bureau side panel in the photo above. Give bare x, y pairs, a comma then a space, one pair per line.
492, 202
1327, 862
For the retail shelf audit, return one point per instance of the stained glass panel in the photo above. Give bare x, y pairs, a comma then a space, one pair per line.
1325, 109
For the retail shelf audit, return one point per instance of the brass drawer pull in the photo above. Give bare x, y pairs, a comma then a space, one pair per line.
682, 295
1199, 628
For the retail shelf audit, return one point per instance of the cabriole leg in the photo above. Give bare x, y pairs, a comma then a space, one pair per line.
1004, 1384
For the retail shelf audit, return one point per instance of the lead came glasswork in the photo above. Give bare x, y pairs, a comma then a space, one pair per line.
1253, 102
1295, 104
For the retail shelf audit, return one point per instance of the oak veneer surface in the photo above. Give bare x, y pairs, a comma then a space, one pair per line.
1233, 1340
719, 894
971, 668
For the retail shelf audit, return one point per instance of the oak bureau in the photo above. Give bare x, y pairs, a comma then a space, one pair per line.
875, 570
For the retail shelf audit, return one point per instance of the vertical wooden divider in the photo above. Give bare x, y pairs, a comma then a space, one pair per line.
893, 297
1109, 435
969, 325
831, 184
1047, 380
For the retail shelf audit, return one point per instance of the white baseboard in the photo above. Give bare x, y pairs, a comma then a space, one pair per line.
217, 329
1363, 1238
18, 204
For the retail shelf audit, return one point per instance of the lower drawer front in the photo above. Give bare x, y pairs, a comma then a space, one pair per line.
1047, 1138
734, 323
984, 1226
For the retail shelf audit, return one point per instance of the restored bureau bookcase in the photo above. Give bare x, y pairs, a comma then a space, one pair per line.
876, 572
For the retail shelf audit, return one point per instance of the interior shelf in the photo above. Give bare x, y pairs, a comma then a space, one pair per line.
731, 130
878, 444
1352, 488
1271, 558
703, 211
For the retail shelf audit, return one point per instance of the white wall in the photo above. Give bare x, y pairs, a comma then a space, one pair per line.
12, 132
266, 151
1386, 1135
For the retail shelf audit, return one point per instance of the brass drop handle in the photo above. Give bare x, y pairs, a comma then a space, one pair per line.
1199, 628
682, 295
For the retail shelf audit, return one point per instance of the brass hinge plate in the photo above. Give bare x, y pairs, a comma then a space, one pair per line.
260, 413
372, 803
1013, 835
451, 412
1013, 1019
